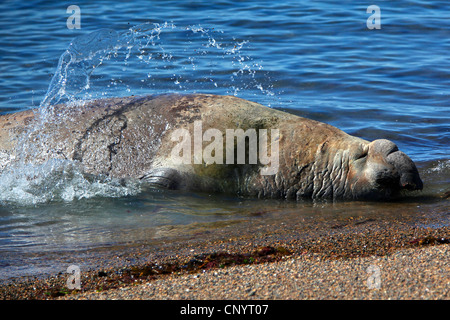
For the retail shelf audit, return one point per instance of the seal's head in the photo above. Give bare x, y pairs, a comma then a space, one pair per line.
380, 170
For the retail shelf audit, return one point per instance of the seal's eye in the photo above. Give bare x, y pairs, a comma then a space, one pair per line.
363, 154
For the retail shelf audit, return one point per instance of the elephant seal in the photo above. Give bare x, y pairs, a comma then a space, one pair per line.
133, 137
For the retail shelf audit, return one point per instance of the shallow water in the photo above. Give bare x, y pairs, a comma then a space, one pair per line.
315, 59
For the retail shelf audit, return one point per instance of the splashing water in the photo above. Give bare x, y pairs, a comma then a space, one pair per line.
194, 58
97, 65
77, 63
57, 180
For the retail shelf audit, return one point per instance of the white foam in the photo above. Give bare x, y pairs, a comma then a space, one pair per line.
58, 180
440, 166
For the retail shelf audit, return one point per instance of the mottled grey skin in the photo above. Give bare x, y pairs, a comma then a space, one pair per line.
131, 138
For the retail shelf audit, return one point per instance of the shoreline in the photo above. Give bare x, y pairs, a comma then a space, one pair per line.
407, 274
239, 262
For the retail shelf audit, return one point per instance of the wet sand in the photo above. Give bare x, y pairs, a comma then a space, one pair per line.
350, 257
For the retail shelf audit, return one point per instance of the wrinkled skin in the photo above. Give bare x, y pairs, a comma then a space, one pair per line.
131, 138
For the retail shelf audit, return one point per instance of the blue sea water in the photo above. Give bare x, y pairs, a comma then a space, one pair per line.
317, 59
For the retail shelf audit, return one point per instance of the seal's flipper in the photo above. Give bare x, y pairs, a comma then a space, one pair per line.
167, 178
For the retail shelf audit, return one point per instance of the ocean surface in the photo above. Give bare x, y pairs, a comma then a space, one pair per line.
318, 59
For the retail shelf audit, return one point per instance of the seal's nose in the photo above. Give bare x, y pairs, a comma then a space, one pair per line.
409, 175
405, 167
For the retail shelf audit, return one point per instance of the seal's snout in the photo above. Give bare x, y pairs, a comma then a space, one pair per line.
405, 169
409, 175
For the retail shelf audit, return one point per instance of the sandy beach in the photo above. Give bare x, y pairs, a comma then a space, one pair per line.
405, 275
349, 258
